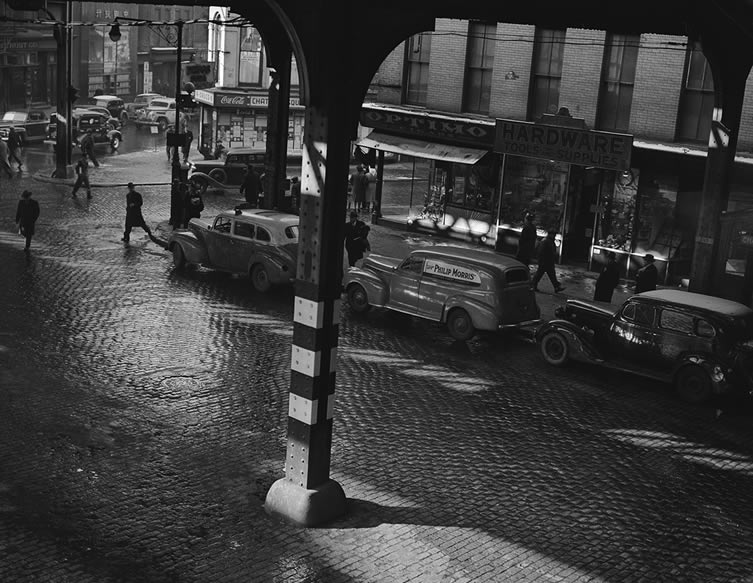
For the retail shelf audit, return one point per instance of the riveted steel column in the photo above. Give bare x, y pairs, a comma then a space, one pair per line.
307, 495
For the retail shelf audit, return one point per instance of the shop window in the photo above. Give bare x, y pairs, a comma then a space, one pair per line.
417, 51
617, 80
697, 98
474, 185
250, 68
657, 232
548, 50
614, 224
534, 185
478, 67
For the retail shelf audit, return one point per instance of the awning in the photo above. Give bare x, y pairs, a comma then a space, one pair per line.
421, 149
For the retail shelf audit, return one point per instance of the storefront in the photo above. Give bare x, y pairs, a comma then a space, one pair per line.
238, 119
28, 70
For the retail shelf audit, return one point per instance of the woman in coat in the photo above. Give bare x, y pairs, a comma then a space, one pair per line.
608, 279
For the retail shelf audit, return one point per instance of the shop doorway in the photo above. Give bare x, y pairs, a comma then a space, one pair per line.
583, 196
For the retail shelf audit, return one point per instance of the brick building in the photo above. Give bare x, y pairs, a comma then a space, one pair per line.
656, 91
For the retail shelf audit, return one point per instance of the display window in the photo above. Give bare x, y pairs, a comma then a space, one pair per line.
533, 185
657, 232
616, 217
474, 185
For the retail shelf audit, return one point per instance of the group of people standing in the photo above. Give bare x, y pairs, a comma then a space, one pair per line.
360, 193
646, 278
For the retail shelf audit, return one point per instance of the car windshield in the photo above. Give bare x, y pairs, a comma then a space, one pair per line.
14, 116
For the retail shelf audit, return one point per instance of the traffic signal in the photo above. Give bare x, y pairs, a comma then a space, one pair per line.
72, 94
186, 97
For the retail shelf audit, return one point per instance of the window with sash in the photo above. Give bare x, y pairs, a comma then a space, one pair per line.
548, 50
479, 66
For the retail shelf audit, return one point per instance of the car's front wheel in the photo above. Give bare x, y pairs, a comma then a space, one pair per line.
162, 124
179, 257
358, 298
693, 384
115, 142
219, 175
260, 278
554, 348
460, 325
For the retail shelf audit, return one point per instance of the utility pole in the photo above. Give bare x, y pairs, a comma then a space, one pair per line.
177, 138
65, 93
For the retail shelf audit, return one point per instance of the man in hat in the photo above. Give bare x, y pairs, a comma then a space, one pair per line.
547, 258
527, 241
27, 214
356, 238
647, 276
134, 218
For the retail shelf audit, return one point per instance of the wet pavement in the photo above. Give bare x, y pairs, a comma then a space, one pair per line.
144, 416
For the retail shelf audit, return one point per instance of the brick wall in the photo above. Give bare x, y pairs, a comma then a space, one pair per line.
581, 73
658, 83
447, 65
513, 53
387, 81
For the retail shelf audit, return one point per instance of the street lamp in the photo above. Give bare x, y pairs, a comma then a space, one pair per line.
115, 36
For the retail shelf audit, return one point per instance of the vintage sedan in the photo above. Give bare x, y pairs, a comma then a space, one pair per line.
466, 289
83, 121
262, 244
228, 171
701, 344
30, 125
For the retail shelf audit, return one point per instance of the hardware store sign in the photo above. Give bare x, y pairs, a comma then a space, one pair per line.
564, 144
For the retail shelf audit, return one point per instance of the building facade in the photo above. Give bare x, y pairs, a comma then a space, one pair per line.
528, 84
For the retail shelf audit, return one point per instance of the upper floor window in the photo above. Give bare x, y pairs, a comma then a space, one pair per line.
417, 52
548, 49
697, 98
250, 67
478, 67
617, 81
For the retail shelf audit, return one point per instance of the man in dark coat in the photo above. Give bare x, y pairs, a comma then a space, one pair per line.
192, 205
647, 276
547, 258
27, 214
252, 187
14, 147
527, 241
608, 279
87, 147
356, 238
134, 218
82, 178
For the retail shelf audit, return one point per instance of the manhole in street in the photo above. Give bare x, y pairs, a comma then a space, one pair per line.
176, 386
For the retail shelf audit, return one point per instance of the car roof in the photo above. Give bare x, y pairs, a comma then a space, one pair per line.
163, 98
106, 97
697, 301
264, 216
480, 257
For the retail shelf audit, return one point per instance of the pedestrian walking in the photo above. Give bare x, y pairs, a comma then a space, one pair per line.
4, 159
134, 218
360, 184
546, 259
252, 187
87, 147
527, 241
608, 279
27, 214
647, 276
193, 204
186, 147
14, 147
82, 177
356, 238
295, 195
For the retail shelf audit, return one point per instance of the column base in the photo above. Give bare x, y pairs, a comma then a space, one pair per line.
306, 507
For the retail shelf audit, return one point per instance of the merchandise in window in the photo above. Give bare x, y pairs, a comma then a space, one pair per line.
614, 226
474, 184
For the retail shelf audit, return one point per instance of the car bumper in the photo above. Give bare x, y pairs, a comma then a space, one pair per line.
523, 324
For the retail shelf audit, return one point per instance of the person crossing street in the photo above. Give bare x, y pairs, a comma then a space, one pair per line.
134, 218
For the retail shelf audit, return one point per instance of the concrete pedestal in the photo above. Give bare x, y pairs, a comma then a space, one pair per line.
306, 507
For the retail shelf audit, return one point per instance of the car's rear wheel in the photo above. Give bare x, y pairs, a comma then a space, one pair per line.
115, 142
693, 384
554, 348
260, 278
179, 257
358, 298
460, 325
218, 174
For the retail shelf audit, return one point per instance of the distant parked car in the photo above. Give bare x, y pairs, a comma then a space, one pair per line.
262, 244
115, 105
228, 171
701, 344
141, 101
30, 125
113, 122
466, 289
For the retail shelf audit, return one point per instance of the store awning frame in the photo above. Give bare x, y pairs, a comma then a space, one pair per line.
421, 148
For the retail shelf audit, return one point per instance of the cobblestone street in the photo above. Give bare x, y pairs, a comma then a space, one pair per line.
143, 419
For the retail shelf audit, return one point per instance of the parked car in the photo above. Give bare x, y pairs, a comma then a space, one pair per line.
260, 243
114, 123
115, 105
30, 124
466, 289
228, 171
141, 101
159, 112
701, 344
83, 120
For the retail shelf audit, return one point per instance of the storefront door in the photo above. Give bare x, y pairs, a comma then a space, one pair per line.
583, 197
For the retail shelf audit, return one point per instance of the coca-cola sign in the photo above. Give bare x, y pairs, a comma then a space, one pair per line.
233, 100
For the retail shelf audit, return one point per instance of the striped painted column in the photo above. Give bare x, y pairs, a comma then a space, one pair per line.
307, 495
